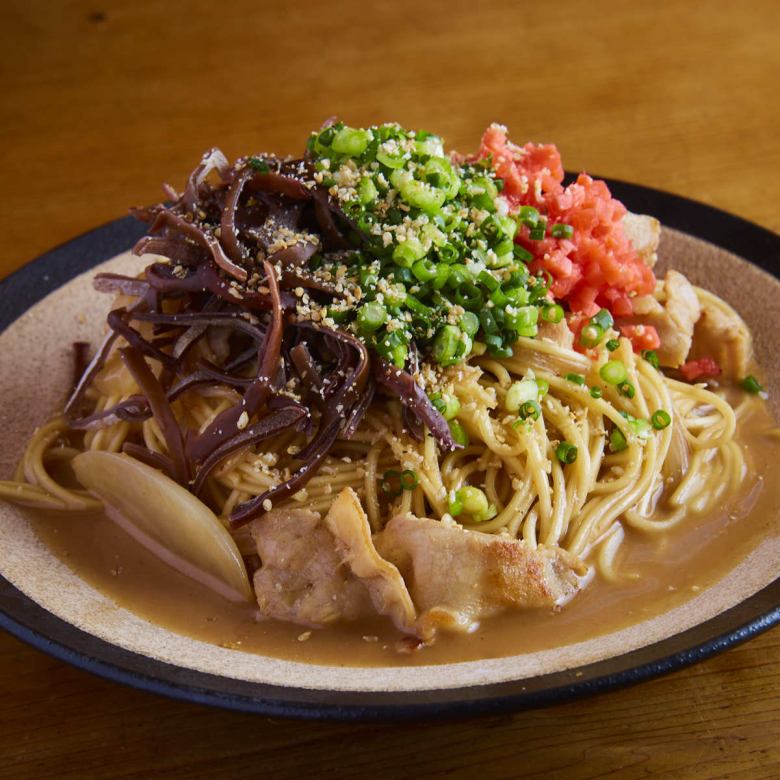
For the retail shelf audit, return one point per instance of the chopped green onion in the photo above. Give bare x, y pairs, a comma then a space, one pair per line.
626, 389
259, 165
528, 215
544, 387
469, 323
553, 314
612, 344
521, 253
508, 225
496, 347
424, 270
488, 321
398, 355
530, 410
660, 419
595, 392
367, 191
394, 348
438, 172
520, 392
491, 229
458, 433
486, 279
591, 335
338, 315
522, 319
409, 479
445, 345
455, 507
617, 440
395, 161
603, 319
537, 234
577, 379
408, 252
469, 296
395, 295
751, 385
351, 142
541, 285
442, 275
422, 196
651, 356
458, 275
517, 296
365, 222
448, 253
566, 452
368, 278
613, 372
474, 501
465, 346
371, 317
641, 428
448, 405
560, 230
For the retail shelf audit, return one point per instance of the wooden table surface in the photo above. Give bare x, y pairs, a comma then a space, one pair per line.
104, 100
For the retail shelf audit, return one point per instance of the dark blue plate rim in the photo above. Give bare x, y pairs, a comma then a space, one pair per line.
28, 621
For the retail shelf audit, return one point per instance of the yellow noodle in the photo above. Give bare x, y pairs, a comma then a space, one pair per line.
582, 506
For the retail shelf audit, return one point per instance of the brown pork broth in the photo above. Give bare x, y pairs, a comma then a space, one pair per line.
662, 571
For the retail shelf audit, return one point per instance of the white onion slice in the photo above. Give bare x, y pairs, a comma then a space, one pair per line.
168, 520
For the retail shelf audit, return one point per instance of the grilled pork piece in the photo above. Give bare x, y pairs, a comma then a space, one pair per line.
423, 574
458, 577
674, 319
318, 571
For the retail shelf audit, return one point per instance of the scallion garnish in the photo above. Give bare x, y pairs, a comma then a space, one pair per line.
458, 433
591, 335
617, 440
560, 230
258, 164
552, 313
651, 356
614, 372
603, 319
566, 452
660, 419
751, 385
626, 389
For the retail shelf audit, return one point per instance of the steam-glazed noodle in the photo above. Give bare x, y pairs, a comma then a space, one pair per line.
537, 498
295, 381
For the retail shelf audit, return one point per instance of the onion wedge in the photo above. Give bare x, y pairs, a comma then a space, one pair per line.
166, 519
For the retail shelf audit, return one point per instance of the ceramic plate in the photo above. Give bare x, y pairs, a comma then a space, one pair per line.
44, 603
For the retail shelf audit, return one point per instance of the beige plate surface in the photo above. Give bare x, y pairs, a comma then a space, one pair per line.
36, 365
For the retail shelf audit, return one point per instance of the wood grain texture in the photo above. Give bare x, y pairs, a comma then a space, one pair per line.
104, 100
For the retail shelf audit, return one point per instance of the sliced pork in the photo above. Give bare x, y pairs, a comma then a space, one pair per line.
458, 577
723, 335
318, 571
348, 523
674, 319
302, 578
644, 232
558, 332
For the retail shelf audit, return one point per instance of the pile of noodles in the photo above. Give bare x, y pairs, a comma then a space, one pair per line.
207, 373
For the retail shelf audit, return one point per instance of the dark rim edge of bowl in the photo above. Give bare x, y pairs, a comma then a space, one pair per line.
20, 615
